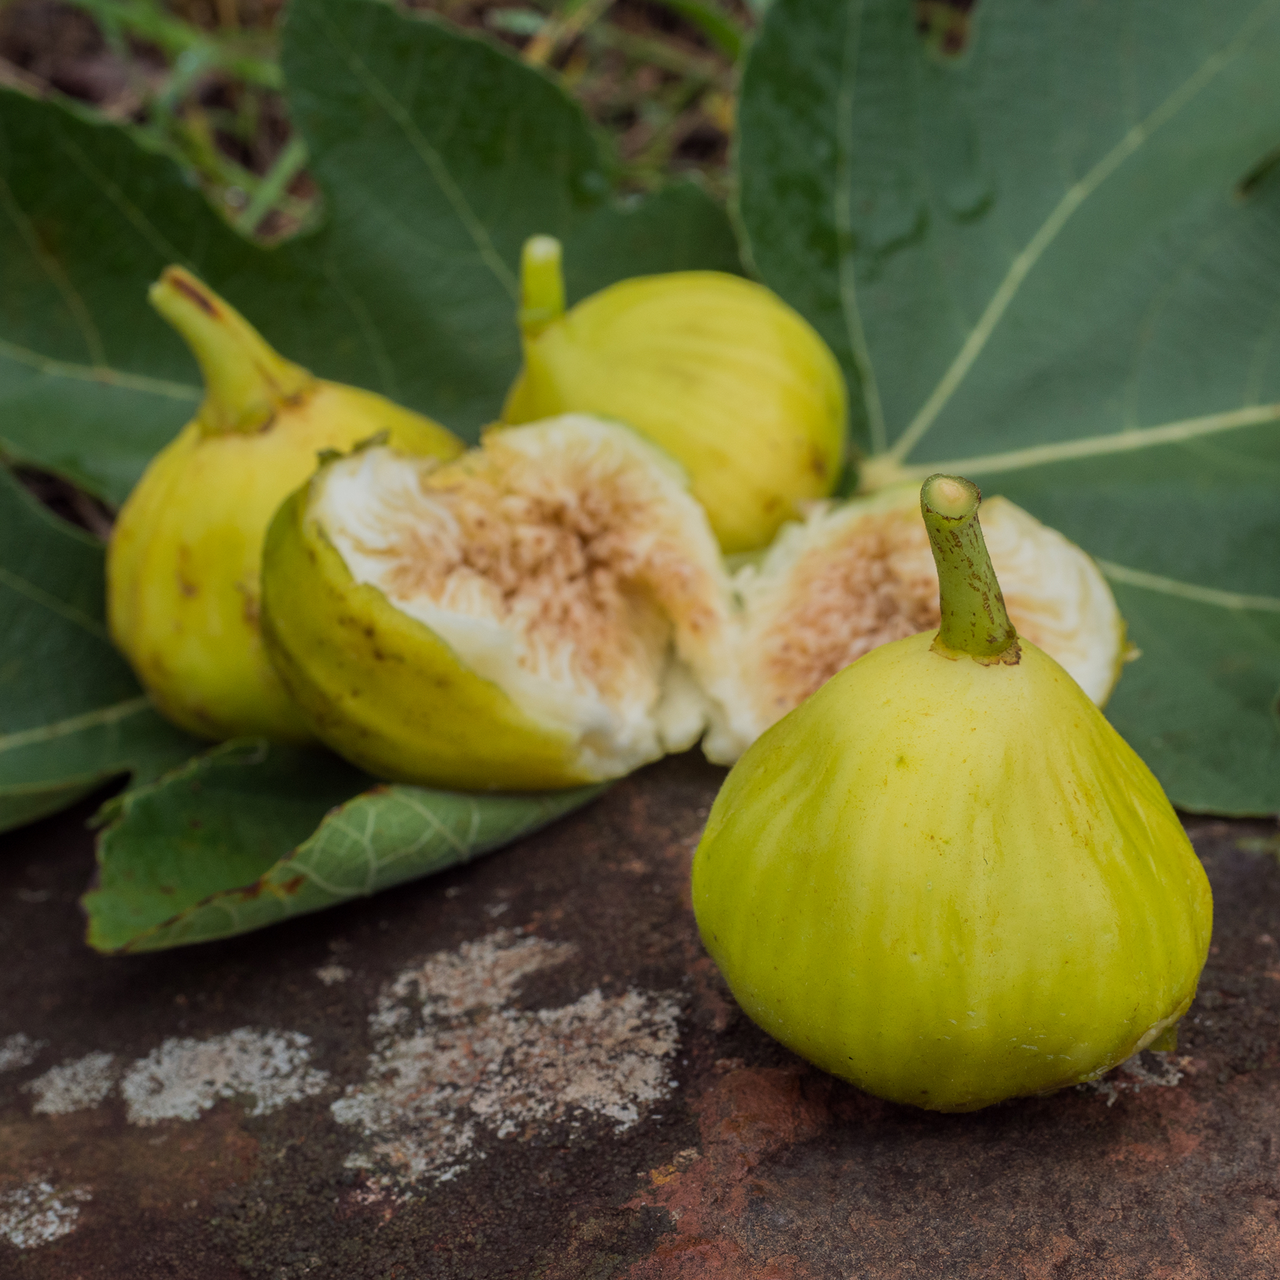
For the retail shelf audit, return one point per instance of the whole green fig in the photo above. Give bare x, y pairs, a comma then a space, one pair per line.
716, 370
186, 551
945, 877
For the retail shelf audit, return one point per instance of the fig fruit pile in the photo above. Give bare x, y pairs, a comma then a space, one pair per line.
944, 876
553, 607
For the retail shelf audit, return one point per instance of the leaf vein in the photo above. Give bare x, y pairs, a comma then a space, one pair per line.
132, 214
52, 268
1075, 195
1189, 590
74, 724
842, 216
15, 582
101, 374
1127, 441
431, 159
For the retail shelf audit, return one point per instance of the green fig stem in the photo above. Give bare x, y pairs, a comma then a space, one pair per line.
974, 619
541, 284
246, 382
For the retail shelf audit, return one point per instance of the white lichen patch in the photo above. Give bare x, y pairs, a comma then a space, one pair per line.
1152, 1069
38, 1213
18, 1051
184, 1077
452, 1058
74, 1086
330, 974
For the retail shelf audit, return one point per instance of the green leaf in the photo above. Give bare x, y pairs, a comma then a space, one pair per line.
438, 154
230, 842
71, 714
1042, 267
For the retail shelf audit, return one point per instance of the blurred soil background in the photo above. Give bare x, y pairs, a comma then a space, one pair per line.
201, 80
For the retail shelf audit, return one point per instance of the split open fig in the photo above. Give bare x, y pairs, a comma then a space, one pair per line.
550, 609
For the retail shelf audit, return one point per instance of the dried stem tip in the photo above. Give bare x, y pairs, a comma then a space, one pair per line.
246, 382
974, 619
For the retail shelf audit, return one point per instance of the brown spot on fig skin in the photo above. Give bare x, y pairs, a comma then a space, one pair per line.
196, 295
250, 608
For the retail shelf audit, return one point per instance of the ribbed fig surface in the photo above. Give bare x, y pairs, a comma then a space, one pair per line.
717, 370
944, 876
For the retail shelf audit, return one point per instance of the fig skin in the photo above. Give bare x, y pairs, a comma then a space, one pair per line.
946, 878
860, 573
714, 369
185, 554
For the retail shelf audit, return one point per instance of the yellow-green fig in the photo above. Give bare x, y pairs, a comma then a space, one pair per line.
714, 369
185, 554
550, 609
859, 574
945, 877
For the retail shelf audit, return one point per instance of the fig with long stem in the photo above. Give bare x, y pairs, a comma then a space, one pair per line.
186, 552
714, 369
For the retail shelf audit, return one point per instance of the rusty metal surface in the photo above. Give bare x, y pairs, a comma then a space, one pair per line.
527, 1068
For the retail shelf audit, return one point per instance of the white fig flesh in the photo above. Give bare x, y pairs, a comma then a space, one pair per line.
566, 564
856, 576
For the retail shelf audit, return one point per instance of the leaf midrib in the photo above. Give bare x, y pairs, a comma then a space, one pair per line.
95, 719
1046, 234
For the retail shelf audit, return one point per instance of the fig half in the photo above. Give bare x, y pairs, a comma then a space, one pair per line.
548, 610
860, 574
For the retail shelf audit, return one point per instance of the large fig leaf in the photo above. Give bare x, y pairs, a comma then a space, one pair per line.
230, 842
1053, 265
71, 713
438, 153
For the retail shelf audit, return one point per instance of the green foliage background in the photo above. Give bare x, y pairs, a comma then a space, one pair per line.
1051, 263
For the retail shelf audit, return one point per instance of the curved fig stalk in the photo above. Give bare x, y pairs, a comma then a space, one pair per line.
974, 620
246, 381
